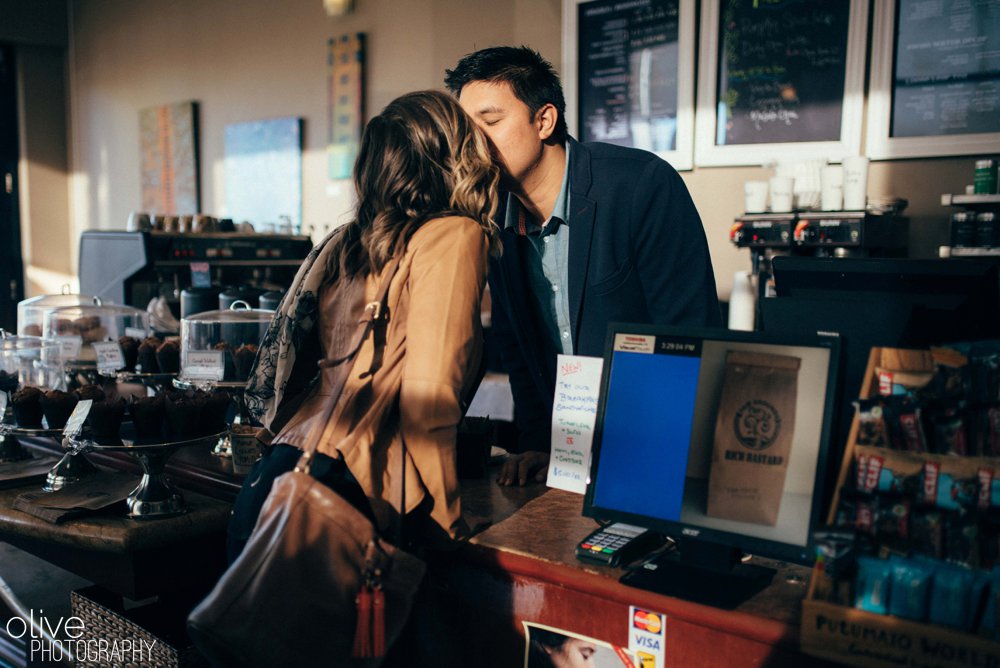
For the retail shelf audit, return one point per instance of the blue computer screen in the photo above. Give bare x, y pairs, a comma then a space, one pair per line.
647, 433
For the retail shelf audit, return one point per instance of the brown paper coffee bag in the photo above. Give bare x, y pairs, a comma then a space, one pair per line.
753, 437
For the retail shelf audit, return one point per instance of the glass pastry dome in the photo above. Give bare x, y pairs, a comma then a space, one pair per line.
222, 345
30, 361
31, 312
77, 327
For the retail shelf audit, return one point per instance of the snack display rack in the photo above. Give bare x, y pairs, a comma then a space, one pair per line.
858, 637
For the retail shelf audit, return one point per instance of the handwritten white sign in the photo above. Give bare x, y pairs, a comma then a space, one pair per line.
574, 410
135, 332
204, 365
109, 356
69, 346
78, 417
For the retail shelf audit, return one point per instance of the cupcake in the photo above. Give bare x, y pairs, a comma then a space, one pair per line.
148, 414
244, 358
8, 381
146, 355
182, 415
130, 351
227, 357
168, 357
65, 327
215, 410
57, 407
32, 330
105, 419
27, 404
92, 392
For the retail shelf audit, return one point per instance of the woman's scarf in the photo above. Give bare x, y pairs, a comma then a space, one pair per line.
294, 321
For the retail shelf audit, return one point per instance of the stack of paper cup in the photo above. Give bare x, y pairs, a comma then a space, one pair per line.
742, 302
782, 194
755, 196
855, 183
832, 188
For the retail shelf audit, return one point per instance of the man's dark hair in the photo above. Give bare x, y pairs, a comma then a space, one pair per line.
531, 77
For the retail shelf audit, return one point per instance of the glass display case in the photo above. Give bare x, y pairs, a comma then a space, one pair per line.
221, 346
31, 312
78, 328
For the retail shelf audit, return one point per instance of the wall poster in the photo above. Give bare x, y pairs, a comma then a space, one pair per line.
935, 88
168, 145
629, 74
263, 167
345, 102
781, 79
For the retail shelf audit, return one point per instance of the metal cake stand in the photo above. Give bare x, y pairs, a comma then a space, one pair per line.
224, 447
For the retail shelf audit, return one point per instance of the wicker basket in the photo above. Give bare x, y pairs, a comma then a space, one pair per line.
156, 624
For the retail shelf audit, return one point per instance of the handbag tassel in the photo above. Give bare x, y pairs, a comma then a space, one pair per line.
378, 621
362, 632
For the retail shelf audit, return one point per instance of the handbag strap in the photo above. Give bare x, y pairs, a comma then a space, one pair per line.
372, 319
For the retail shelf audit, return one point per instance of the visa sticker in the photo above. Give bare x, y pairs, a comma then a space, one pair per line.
647, 636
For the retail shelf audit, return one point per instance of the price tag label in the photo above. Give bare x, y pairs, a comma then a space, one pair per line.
69, 346
77, 417
135, 333
109, 356
205, 365
200, 277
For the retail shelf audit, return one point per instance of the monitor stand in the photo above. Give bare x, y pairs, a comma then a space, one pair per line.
702, 572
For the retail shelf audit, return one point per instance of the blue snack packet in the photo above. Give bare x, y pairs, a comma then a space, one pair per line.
911, 584
951, 589
874, 580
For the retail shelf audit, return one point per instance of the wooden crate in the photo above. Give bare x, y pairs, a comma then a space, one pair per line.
861, 638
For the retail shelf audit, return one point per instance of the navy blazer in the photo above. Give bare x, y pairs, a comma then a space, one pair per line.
637, 253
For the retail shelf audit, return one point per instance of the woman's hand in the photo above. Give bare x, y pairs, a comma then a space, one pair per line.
518, 470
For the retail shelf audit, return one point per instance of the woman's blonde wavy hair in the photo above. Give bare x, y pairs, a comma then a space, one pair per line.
421, 158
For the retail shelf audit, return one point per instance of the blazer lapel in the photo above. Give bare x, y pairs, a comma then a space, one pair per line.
581, 230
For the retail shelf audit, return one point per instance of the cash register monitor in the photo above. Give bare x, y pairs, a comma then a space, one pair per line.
652, 456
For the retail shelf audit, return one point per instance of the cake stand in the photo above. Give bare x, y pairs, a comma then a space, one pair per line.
224, 447
155, 495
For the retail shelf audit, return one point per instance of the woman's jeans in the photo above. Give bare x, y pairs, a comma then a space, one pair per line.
279, 459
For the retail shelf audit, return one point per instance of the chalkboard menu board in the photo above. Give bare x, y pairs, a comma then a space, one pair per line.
628, 65
781, 70
947, 71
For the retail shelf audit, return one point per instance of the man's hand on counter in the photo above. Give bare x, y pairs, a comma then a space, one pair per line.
526, 467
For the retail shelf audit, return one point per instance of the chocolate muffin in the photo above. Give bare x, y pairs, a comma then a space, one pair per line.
65, 327
146, 355
148, 414
130, 351
8, 381
244, 358
57, 407
27, 404
215, 410
168, 357
227, 357
92, 392
183, 414
32, 330
105, 419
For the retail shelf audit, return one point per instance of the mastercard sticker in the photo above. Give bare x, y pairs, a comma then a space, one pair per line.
647, 636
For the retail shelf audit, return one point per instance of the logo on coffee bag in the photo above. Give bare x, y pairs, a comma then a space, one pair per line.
756, 424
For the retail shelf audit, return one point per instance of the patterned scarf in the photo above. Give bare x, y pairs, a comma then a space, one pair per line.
294, 320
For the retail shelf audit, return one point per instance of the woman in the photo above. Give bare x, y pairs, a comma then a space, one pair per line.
549, 649
426, 190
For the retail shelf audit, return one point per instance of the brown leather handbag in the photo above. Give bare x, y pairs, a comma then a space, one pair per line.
316, 584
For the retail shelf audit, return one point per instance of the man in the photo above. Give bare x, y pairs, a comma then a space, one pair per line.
592, 234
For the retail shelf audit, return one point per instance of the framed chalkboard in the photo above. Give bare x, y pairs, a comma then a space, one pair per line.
935, 87
780, 80
628, 74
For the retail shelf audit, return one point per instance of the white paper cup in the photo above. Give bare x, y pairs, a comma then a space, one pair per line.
855, 183
782, 193
832, 188
245, 447
755, 196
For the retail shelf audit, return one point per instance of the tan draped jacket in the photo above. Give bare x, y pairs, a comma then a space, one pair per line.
432, 350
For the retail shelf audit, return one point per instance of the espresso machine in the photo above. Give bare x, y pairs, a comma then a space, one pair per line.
135, 267
871, 233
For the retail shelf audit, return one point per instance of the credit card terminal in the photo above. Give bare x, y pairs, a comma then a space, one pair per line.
617, 544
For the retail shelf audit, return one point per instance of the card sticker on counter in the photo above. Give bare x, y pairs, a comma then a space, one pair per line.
647, 635
574, 410
79, 415
109, 356
549, 646
200, 275
204, 365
